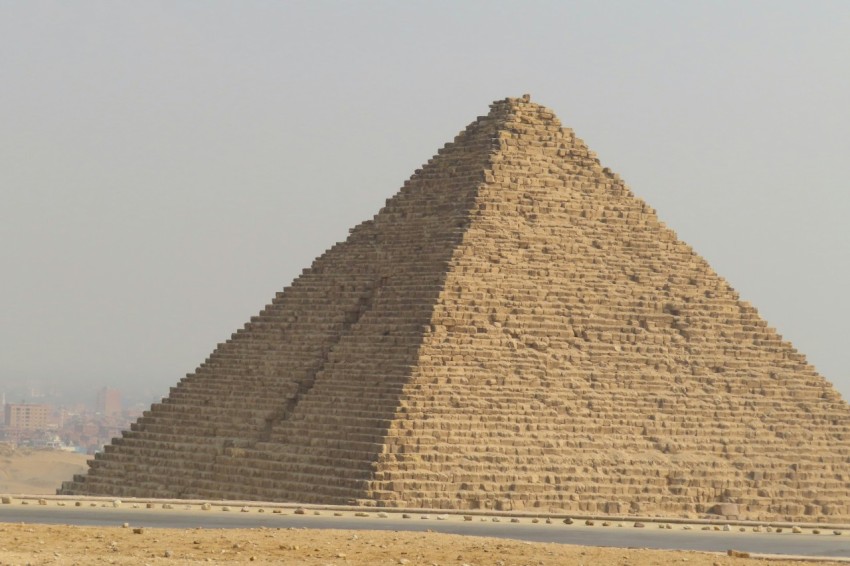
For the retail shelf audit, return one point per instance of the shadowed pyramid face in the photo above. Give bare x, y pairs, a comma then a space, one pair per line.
513, 330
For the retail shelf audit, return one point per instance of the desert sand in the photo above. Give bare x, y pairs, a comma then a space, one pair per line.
36, 472
41, 544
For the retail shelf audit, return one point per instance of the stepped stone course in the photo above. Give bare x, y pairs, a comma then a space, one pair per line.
514, 330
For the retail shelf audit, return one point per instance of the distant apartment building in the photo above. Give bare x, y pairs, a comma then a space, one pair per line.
108, 402
21, 416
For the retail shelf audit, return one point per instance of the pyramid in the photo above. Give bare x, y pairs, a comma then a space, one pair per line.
514, 330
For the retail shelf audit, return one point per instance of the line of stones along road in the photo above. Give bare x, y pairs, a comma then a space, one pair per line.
439, 515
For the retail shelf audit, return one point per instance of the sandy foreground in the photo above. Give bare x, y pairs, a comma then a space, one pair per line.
44, 544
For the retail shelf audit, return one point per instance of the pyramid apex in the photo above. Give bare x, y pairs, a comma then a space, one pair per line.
525, 98
511, 108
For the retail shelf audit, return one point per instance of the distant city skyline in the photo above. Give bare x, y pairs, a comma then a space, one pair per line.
70, 396
166, 168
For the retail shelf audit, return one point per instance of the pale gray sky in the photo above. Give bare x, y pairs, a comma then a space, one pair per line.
166, 167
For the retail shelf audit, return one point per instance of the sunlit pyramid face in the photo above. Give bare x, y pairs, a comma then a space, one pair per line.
514, 330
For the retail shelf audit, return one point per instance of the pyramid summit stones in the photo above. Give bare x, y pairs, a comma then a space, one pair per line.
514, 330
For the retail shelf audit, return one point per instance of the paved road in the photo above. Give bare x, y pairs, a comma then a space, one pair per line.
623, 537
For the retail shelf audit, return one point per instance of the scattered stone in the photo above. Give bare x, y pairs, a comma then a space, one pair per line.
737, 553
317, 512
299, 511
361, 514
125, 525
778, 529
6, 500
244, 510
168, 554
742, 529
757, 529
382, 515
167, 506
149, 505
606, 524
442, 517
706, 528
405, 516
425, 517
568, 521
796, 530
42, 502
78, 504
138, 530
337, 513
589, 523
467, 517
687, 528
496, 520
116, 503
514, 520
815, 531
548, 521
403, 561
727, 528
639, 525
206, 507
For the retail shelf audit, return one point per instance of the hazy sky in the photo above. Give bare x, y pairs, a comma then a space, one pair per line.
166, 167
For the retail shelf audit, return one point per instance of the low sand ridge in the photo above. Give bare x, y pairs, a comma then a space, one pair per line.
37, 471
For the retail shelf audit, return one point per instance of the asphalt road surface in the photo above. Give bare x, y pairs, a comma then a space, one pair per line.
825, 544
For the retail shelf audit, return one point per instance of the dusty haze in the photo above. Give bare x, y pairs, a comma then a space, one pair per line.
164, 169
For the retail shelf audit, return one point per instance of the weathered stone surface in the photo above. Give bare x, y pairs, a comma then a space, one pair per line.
728, 510
513, 330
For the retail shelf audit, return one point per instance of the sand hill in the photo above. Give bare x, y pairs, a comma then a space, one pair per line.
30, 471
